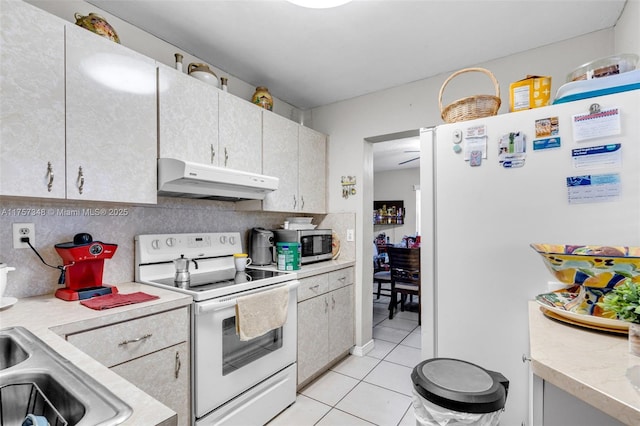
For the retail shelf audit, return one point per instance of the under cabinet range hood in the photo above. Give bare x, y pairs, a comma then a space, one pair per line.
178, 178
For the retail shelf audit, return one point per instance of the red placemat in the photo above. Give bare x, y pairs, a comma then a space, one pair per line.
114, 300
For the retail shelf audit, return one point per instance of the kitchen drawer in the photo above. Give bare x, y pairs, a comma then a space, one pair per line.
118, 343
313, 286
340, 278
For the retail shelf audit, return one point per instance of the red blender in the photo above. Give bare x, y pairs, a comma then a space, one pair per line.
83, 266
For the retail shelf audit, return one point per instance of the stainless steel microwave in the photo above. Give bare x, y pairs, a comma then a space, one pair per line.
315, 243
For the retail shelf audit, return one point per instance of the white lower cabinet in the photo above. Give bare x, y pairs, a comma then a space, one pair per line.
164, 375
152, 352
325, 322
340, 321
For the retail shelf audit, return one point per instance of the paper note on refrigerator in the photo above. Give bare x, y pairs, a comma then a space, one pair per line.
597, 157
475, 140
593, 188
512, 150
593, 125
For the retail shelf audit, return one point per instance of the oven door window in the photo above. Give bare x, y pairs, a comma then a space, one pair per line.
236, 353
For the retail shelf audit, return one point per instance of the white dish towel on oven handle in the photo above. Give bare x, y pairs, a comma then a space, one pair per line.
259, 313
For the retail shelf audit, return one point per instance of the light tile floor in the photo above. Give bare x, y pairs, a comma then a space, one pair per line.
372, 390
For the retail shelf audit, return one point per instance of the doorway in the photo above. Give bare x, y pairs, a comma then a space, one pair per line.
395, 178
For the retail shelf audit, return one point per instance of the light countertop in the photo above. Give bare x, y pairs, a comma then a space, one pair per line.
588, 364
50, 318
311, 269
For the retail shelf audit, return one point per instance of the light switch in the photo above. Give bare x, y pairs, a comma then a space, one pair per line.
350, 235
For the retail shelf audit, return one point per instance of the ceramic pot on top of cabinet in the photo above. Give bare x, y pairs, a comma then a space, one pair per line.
263, 98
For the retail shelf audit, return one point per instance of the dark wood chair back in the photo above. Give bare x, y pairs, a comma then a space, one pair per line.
404, 265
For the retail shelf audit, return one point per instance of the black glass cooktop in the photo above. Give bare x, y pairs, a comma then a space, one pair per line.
218, 279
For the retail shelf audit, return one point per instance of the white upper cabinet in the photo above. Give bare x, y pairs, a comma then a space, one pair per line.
280, 159
78, 112
84, 118
187, 117
111, 120
312, 153
297, 156
32, 112
203, 124
240, 133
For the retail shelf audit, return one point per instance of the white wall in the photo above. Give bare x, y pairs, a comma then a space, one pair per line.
397, 185
627, 30
413, 106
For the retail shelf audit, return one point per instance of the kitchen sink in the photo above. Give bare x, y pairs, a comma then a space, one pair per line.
12, 352
37, 380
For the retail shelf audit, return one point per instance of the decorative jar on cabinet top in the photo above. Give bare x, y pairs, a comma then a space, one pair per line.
98, 25
263, 98
203, 73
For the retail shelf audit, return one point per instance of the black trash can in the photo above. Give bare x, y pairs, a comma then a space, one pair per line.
452, 392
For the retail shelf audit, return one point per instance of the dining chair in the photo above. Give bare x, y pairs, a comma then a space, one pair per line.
381, 276
405, 277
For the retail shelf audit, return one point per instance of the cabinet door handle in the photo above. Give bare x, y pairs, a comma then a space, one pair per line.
139, 339
213, 154
50, 175
226, 156
178, 365
295, 202
326, 305
301, 202
80, 181
333, 302
315, 288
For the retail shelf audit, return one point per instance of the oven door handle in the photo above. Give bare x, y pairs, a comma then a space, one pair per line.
227, 302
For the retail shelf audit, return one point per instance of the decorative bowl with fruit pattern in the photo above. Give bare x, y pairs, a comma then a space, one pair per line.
589, 272
591, 266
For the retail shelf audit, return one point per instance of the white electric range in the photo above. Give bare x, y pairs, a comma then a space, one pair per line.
243, 382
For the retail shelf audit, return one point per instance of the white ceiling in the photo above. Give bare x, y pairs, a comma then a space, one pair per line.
314, 57
396, 154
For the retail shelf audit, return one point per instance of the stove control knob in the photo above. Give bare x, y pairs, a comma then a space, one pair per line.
155, 244
232, 241
170, 241
223, 239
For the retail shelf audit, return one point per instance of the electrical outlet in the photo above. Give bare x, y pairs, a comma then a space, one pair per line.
23, 230
350, 235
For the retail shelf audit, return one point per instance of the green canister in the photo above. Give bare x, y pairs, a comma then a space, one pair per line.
288, 256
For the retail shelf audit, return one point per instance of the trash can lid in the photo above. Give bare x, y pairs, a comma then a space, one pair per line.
460, 385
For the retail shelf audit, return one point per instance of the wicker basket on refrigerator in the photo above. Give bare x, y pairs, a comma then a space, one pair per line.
471, 107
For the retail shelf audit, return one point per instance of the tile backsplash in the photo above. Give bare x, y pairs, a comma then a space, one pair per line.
58, 221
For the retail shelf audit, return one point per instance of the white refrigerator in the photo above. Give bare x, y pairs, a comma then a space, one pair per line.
563, 174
